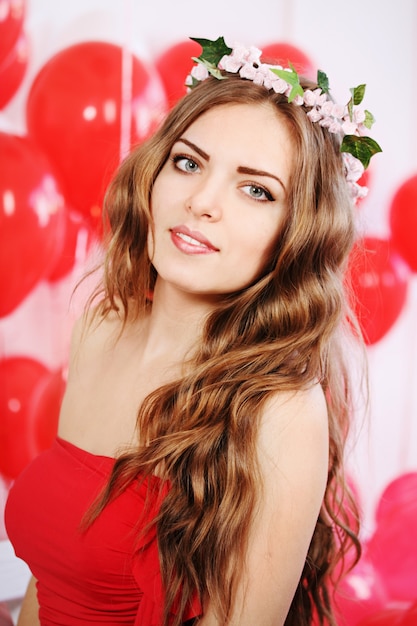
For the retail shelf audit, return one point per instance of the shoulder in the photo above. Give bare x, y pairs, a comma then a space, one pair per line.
294, 417
293, 449
91, 332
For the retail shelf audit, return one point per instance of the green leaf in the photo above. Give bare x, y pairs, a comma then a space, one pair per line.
369, 119
323, 81
363, 148
212, 69
213, 51
291, 77
358, 94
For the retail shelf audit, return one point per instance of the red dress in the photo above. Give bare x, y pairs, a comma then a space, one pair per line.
98, 576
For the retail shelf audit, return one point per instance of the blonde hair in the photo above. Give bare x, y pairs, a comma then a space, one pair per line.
284, 332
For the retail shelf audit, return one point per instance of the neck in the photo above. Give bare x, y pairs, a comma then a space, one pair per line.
176, 321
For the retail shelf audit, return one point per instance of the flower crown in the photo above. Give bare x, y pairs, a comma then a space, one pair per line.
348, 121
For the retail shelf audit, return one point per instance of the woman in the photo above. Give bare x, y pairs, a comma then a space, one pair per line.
212, 369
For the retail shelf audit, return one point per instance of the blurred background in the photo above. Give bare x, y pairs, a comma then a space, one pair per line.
82, 81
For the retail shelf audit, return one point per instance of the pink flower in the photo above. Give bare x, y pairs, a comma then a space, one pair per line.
359, 116
314, 98
251, 73
199, 72
353, 167
240, 56
332, 124
357, 192
314, 115
229, 63
279, 85
349, 128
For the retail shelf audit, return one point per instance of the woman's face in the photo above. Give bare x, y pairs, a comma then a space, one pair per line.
219, 201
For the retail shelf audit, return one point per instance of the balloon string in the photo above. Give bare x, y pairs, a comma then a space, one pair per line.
126, 81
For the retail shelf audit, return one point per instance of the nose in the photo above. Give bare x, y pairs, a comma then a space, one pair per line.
205, 199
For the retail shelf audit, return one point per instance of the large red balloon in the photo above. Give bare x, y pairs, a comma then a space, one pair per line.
393, 546
77, 241
281, 53
403, 219
173, 65
18, 379
12, 13
379, 279
74, 111
12, 70
31, 218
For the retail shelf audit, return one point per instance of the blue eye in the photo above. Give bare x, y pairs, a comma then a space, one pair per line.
185, 164
258, 193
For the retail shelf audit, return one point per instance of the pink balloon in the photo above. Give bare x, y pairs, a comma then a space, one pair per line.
393, 546
385, 617
360, 594
410, 616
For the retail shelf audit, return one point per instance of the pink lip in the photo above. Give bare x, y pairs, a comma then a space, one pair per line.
201, 245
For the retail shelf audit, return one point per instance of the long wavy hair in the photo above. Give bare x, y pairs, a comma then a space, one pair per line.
285, 331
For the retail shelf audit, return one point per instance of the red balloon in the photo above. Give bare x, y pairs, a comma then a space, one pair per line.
74, 111
18, 379
77, 241
403, 220
393, 546
281, 53
379, 279
174, 65
44, 408
31, 218
12, 70
12, 13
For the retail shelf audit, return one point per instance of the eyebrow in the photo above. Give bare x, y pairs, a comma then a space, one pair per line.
241, 169
192, 145
252, 172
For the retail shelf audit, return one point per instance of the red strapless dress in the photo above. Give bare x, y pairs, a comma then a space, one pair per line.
99, 576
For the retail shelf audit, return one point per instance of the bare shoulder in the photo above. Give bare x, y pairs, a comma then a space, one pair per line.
293, 448
90, 333
294, 423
